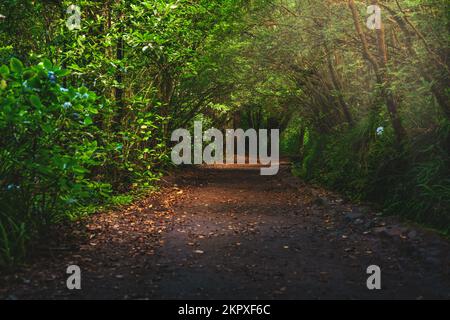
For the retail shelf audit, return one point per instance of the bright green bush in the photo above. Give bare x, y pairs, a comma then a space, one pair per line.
48, 145
59, 153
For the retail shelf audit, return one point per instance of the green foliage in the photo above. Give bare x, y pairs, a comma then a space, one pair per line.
292, 138
418, 187
65, 150
54, 158
413, 183
302, 67
49, 145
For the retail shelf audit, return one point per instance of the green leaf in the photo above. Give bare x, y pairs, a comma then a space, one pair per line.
47, 64
62, 73
76, 68
28, 74
4, 71
88, 121
16, 65
35, 101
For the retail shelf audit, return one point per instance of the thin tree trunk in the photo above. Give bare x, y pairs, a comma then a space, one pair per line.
339, 88
118, 91
380, 71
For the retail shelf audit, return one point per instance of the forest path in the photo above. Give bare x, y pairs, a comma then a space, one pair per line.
226, 232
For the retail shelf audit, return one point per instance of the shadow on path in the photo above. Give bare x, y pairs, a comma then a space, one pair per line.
225, 232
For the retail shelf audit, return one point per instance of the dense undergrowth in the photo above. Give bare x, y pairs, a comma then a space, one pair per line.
412, 182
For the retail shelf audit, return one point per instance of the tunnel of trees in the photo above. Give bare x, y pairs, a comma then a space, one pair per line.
90, 92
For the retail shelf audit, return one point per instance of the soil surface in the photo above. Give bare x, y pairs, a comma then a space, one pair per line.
226, 232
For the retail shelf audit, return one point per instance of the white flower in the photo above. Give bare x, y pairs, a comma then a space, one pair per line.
380, 131
12, 187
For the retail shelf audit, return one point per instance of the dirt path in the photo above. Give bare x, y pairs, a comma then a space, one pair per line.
226, 232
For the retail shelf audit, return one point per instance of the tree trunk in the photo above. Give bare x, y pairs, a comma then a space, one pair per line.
339, 88
380, 71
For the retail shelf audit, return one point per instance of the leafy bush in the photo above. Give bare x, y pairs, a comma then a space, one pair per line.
59, 156
48, 145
